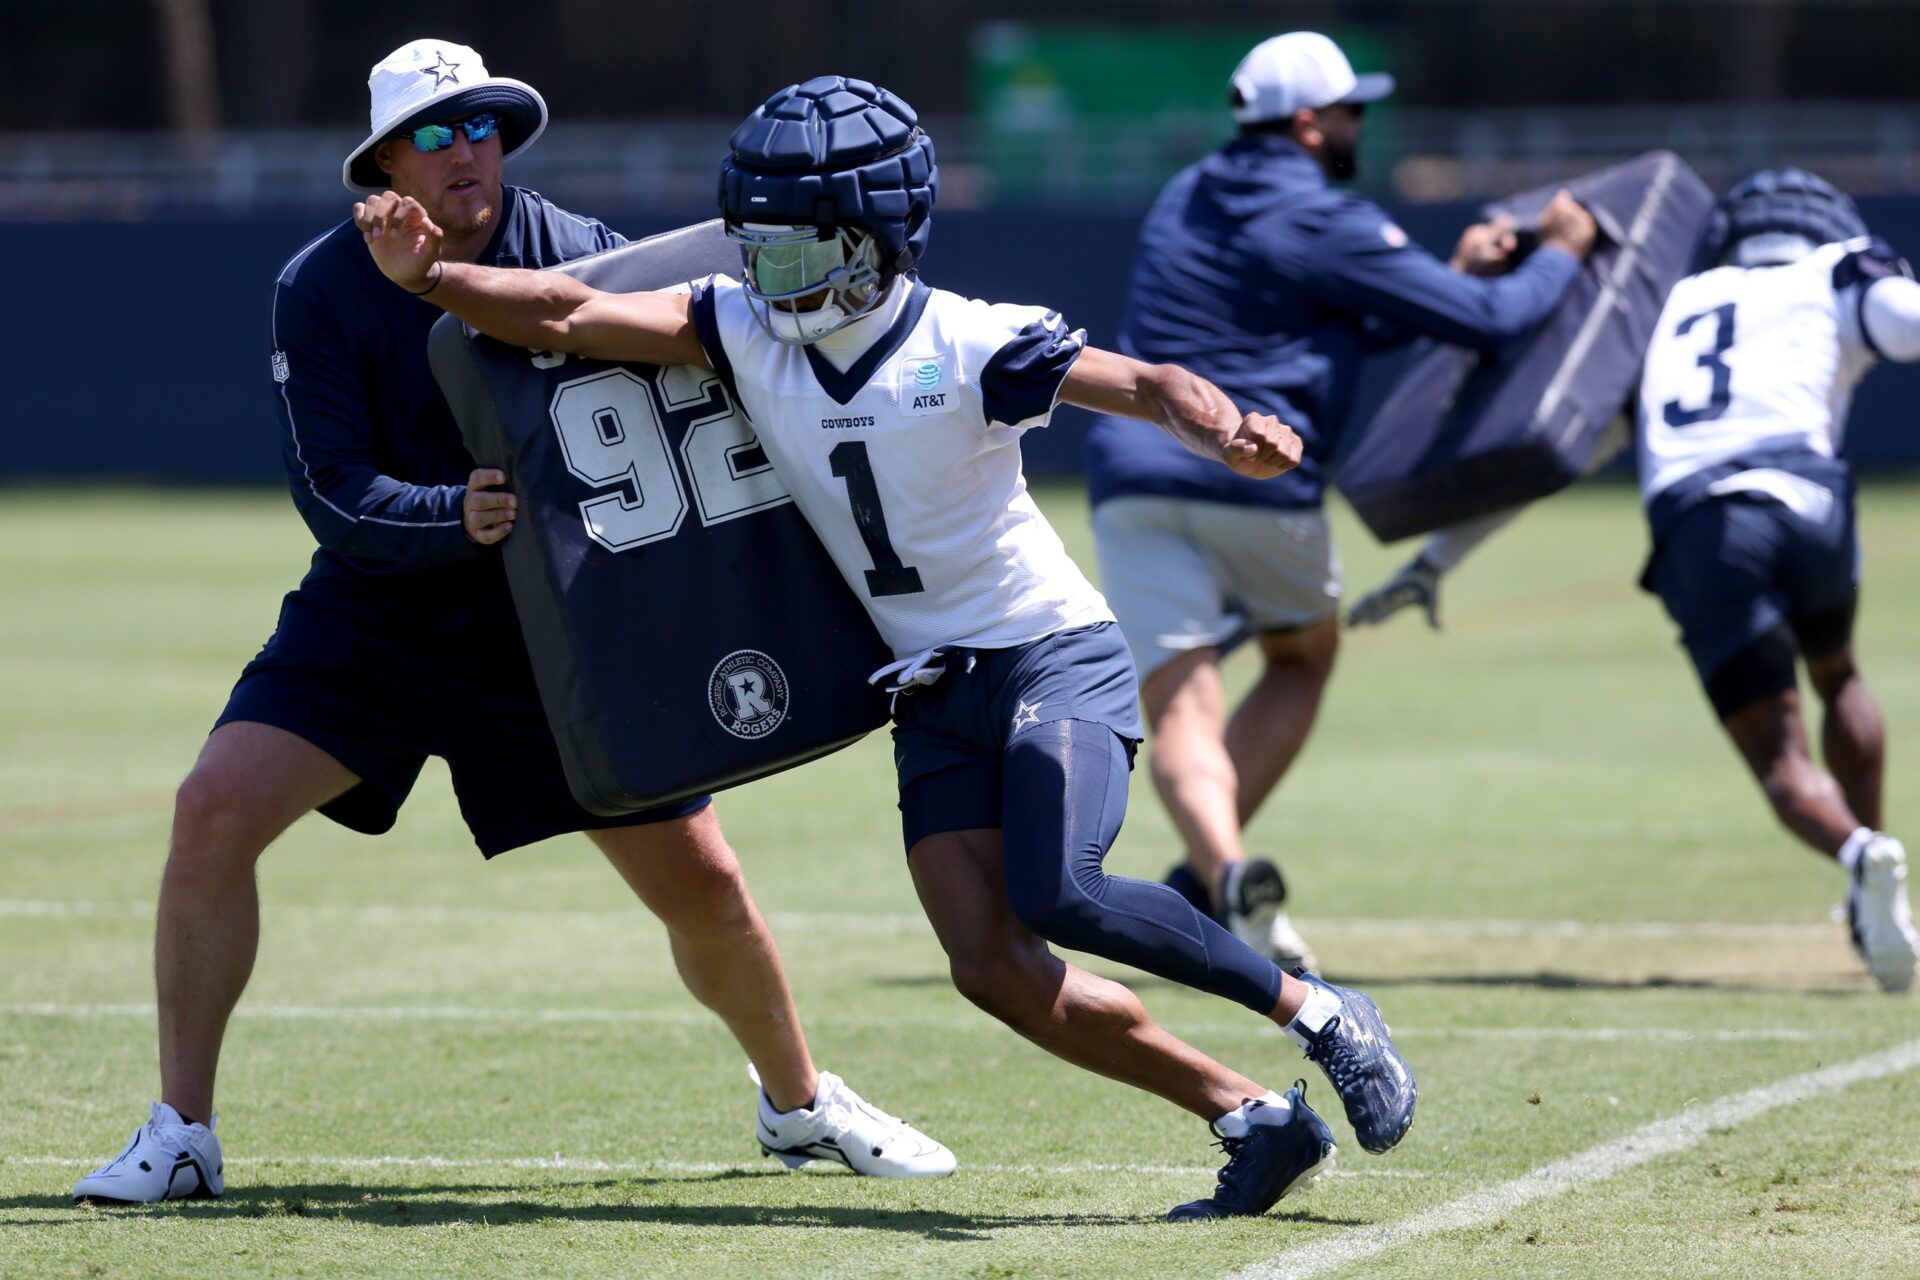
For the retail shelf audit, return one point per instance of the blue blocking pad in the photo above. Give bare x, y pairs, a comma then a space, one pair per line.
1465, 433
687, 630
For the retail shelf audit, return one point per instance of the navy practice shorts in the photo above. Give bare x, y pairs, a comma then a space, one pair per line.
1749, 581
380, 701
950, 738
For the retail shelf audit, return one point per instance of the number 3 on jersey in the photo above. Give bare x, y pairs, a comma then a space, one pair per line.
1722, 393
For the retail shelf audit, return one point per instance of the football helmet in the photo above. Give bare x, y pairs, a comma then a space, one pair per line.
828, 188
1780, 202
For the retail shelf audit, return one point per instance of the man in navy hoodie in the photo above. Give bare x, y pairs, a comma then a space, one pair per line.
1254, 273
401, 643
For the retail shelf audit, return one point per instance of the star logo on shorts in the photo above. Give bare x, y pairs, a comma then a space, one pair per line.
1026, 715
442, 71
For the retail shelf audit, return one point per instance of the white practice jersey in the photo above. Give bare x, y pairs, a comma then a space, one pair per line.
899, 438
1753, 359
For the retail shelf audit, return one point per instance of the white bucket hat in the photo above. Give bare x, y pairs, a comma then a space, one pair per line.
427, 81
1281, 75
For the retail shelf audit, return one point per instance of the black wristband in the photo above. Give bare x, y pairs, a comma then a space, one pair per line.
440, 269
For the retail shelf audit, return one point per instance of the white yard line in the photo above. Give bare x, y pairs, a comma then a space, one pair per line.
574, 1164
883, 922
486, 1016
1649, 1142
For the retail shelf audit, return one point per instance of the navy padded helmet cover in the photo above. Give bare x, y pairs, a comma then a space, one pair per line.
835, 152
1781, 200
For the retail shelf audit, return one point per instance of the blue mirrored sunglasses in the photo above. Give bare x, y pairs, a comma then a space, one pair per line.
436, 137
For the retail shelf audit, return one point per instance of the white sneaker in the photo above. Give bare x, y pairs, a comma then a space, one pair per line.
166, 1159
843, 1126
1879, 915
1254, 893
1288, 949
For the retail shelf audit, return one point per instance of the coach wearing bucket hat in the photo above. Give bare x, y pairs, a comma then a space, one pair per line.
401, 643
1255, 273
428, 81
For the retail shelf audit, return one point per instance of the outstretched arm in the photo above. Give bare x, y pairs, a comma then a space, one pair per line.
1185, 406
539, 310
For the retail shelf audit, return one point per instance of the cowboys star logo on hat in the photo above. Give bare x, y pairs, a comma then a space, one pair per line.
442, 71
432, 82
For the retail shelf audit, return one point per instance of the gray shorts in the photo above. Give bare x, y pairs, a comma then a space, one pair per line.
1182, 574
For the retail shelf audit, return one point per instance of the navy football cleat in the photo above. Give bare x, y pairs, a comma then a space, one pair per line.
1271, 1162
1374, 1082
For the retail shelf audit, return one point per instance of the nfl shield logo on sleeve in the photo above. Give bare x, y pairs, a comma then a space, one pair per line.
926, 385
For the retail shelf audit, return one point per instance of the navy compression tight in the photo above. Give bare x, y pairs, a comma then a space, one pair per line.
1066, 794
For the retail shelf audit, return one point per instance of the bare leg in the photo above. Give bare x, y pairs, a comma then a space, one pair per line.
687, 875
1772, 740
1007, 970
251, 782
1853, 737
1272, 723
1186, 709
1213, 772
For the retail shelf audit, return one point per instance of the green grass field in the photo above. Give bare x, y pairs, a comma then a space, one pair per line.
1525, 837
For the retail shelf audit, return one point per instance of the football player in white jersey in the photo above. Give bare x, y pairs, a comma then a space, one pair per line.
892, 412
1743, 403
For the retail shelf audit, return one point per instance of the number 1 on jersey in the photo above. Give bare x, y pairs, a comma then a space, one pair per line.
888, 577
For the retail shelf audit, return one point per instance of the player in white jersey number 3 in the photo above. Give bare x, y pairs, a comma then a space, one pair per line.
1742, 405
892, 412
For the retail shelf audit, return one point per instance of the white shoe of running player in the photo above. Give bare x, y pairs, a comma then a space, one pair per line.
166, 1159
1254, 893
843, 1126
1879, 915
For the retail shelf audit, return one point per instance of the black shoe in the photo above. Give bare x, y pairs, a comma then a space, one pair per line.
1271, 1162
1374, 1082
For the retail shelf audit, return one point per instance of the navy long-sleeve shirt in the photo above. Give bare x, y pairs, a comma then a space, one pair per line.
1255, 274
373, 455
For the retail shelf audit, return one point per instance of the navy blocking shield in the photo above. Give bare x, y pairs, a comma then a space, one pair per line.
687, 630
1465, 434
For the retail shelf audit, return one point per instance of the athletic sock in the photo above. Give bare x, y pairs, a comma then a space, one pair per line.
777, 1114
1320, 1007
1268, 1108
1849, 855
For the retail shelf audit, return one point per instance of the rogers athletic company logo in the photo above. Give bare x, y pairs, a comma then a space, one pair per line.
748, 694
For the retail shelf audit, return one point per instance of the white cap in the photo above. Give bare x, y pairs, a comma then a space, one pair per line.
1281, 75
427, 81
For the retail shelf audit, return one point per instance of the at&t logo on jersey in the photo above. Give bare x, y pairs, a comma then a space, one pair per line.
926, 384
748, 694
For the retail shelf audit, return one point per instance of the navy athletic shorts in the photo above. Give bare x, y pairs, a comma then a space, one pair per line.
1750, 581
381, 699
950, 738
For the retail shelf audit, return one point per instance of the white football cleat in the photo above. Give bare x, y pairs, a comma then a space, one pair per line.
166, 1159
1254, 893
1879, 915
843, 1126
1288, 949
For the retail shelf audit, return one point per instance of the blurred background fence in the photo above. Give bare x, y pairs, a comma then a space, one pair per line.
159, 159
